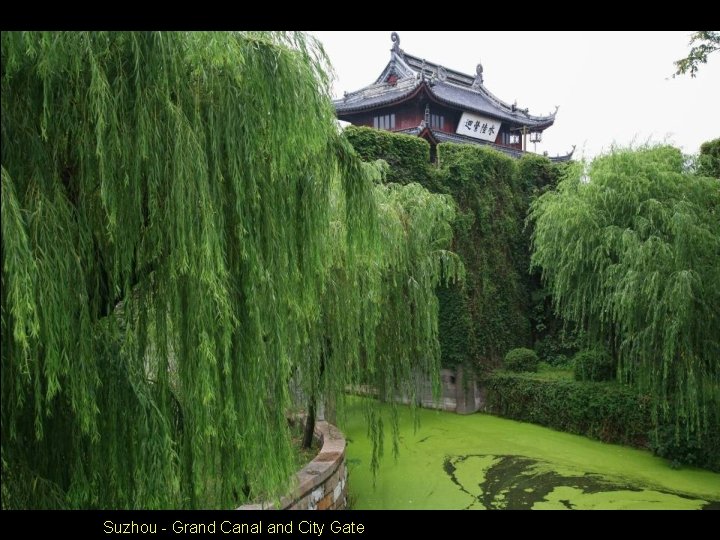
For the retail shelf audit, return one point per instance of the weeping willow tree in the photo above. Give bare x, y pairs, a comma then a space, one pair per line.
633, 256
385, 294
184, 232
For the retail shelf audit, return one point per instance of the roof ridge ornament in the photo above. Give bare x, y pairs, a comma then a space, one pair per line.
478, 76
395, 38
441, 73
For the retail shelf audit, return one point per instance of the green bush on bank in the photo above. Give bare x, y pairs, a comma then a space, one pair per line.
605, 411
594, 365
521, 360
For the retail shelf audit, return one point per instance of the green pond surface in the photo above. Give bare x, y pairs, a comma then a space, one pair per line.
481, 462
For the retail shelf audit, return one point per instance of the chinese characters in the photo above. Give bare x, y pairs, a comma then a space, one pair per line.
478, 127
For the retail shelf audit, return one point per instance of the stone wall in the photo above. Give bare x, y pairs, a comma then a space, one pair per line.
322, 483
456, 394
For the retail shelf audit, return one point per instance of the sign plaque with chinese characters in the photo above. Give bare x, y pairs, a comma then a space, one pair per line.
478, 127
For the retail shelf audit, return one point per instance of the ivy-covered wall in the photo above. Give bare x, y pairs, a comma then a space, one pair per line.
408, 157
491, 312
489, 238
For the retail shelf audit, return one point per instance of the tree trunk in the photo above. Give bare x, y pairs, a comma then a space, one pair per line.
309, 425
310, 421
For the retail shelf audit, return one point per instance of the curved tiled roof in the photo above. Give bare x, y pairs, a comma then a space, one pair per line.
443, 85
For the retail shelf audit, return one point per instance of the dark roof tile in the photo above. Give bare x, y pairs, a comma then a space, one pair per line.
447, 86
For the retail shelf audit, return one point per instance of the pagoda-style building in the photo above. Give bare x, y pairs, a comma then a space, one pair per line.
420, 98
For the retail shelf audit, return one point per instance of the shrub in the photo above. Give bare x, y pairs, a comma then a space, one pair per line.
521, 360
609, 412
680, 447
407, 155
594, 365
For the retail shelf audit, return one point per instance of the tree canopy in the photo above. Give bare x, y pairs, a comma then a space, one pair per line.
707, 42
185, 236
709, 160
631, 253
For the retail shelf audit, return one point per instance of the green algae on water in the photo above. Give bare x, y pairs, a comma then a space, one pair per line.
484, 462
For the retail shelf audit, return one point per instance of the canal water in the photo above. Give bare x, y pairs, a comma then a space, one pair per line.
481, 462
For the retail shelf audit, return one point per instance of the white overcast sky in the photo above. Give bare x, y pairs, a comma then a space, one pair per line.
612, 87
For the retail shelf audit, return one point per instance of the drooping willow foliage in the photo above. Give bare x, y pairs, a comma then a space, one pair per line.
184, 233
633, 255
385, 298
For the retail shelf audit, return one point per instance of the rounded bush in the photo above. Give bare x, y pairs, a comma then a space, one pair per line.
594, 365
522, 359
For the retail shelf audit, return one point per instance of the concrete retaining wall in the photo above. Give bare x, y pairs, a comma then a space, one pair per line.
322, 483
456, 394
